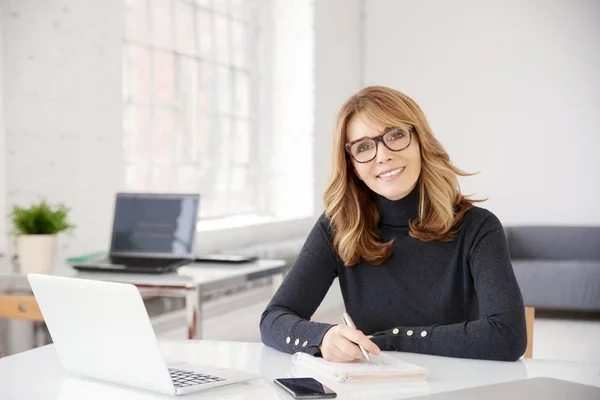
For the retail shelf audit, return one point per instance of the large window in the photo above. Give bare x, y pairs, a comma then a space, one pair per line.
218, 100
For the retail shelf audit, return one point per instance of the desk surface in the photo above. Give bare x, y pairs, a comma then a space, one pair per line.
37, 374
186, 276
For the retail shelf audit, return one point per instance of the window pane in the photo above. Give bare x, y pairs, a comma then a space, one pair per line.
139, 70
238, 180
239, 45
222, 38
136, 177
187, 77
222, 154
206, 87
164, 79
223, 90
220, 5
205, 33
241, 106
187, 96
204, 3
137, 134
163, 136
205, 148
162, 177
162, 26
136, 20
241, 143
188, 179
184, 22
239, 8
215, 205
245, 10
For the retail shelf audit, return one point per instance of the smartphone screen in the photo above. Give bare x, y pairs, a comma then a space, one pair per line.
305, 388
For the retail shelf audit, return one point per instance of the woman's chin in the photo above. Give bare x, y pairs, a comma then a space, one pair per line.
394, 193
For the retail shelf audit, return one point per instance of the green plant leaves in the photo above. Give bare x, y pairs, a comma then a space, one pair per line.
40, 219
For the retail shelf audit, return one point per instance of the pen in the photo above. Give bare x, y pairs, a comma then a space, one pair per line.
348, 321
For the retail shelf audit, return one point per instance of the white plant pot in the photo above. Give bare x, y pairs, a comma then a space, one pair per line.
36, 253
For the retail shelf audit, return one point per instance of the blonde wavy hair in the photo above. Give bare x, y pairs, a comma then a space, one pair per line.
352, 207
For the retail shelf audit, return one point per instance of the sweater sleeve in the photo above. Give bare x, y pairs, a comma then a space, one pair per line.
285, 324
499, 333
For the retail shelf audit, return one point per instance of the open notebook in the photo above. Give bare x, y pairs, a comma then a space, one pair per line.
381, 367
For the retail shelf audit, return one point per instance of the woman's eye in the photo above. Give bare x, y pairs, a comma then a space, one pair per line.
363, 147
398, 135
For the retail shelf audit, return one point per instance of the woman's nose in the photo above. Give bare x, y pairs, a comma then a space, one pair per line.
383, 153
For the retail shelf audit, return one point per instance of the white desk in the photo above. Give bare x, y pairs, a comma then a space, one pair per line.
190, 282
37, 375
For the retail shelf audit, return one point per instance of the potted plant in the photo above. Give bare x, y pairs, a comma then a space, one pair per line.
36, 230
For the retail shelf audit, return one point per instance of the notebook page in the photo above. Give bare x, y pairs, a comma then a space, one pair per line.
383, 365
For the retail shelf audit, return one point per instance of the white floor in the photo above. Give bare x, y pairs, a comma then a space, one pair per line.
554, 338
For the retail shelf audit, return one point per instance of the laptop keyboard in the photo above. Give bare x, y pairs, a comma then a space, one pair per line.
185, 378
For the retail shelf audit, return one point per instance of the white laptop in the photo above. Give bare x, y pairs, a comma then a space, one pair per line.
525, 389
101, 330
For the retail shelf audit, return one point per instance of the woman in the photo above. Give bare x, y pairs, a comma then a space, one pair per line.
420, 267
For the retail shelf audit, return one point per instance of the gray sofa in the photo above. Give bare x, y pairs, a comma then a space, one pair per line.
557, 267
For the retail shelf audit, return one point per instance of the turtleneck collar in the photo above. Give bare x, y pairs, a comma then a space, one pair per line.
398, 213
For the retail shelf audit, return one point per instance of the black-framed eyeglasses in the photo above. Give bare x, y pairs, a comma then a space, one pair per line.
364, 149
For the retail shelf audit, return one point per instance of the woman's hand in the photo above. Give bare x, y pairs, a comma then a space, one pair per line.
340, 344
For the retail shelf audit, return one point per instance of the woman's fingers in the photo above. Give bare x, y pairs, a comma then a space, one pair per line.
341, 356
333, 353
340, 344
358, 337
336, 347
350, 348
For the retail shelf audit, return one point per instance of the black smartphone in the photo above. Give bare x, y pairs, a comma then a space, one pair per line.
225, 258
305, 388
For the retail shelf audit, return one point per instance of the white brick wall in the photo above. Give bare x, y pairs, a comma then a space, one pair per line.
62, 110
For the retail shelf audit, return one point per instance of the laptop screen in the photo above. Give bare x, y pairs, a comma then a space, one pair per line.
161, 225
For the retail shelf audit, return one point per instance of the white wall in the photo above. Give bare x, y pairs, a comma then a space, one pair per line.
338, 75
62, 110
511, 88
3, 210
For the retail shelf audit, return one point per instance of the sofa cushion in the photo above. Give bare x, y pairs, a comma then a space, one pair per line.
554, 242
560, 285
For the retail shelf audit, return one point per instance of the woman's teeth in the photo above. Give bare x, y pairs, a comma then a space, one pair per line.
391, 173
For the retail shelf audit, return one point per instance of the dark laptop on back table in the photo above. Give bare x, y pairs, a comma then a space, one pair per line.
152, 233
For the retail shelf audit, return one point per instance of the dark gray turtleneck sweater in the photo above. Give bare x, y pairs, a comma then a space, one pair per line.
457, 299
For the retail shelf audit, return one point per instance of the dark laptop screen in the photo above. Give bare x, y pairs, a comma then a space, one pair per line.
149, 223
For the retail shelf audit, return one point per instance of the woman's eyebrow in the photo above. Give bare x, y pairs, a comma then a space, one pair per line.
385, 130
